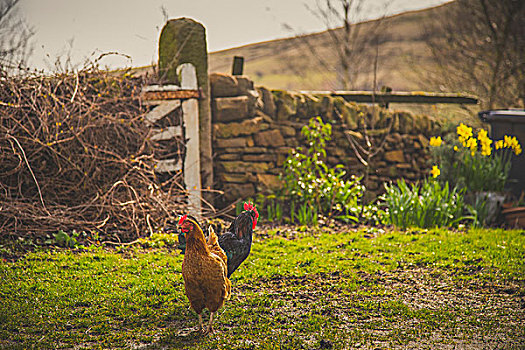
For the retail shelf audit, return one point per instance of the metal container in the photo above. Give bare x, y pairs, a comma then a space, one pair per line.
509, 122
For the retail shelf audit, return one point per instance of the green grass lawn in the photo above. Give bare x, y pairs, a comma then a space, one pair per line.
327, 288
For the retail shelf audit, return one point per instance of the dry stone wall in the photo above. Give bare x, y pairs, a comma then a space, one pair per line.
254, 130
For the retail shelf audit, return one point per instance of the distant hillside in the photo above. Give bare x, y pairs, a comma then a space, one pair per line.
288, 63
403, 60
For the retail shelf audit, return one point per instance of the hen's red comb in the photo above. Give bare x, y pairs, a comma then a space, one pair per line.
181, 220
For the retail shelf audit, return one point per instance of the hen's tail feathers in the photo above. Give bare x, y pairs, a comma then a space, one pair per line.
212, 237
214, 247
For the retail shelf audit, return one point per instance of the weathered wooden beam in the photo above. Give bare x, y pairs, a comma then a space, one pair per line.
168, 166
168, 92
155, 88
168, 133
399, 97
192, 162
161, 111
171, 95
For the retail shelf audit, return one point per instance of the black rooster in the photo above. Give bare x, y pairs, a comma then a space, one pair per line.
237, 240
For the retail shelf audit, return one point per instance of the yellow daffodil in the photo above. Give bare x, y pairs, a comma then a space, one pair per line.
486, 151
493, 154
473, 145
482, 135
435, 141
464, 133
507, 141
485, 143
464, 130
511, 143
435, 172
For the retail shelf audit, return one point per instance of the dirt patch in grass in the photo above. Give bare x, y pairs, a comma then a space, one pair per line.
412, 308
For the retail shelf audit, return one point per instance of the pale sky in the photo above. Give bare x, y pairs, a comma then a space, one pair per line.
83, 29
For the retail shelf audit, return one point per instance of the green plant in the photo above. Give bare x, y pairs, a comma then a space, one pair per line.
271, 205
274, 209
306, 214
373, 214
479, 212
312, 187
427, 204
239, 207
476, 163
62, 239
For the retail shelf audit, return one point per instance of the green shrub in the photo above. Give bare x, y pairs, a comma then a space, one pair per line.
311, 188
63, 239
424, 205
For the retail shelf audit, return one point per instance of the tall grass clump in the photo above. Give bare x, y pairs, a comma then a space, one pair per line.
428, 204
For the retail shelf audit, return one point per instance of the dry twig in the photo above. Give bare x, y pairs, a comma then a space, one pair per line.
90, 150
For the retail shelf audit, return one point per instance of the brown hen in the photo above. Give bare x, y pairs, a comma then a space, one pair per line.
204, 271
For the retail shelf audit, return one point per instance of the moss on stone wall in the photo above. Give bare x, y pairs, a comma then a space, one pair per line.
252, 148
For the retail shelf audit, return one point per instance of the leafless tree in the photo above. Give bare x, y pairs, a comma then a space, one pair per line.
15, 36
355, 49
350, 44
479, 47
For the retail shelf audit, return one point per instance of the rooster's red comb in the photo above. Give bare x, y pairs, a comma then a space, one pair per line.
251, 206
182, 218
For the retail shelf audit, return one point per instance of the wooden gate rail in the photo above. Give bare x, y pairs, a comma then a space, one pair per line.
167, 99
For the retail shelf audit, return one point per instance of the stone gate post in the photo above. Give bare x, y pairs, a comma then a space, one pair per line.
183, 40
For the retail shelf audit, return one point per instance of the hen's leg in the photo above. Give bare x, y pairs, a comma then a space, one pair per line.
210, 329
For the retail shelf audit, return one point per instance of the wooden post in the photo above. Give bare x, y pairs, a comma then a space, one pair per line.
167, 98
238, 65
190, 111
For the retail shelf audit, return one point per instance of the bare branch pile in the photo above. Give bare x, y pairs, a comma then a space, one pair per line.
75, 154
